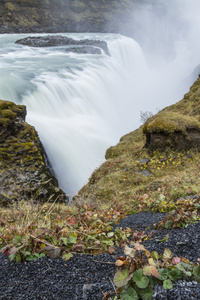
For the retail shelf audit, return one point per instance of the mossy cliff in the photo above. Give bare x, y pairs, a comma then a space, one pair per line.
23, 173
67, 15
159, 161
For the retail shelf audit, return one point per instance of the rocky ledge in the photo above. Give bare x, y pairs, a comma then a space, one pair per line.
23, 172
78, 46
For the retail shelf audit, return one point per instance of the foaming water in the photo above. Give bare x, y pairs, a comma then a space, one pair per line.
82, 104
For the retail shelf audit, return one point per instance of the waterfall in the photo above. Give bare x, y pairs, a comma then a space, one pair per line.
82, 104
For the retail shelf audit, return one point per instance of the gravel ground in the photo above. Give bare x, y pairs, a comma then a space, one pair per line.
89, 277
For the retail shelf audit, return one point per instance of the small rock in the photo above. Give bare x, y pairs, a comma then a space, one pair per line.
145, 172
145, 161
55, 253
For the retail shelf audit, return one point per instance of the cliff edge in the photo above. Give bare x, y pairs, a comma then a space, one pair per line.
23, 172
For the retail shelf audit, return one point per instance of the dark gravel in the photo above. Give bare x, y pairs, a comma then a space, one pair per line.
89, 277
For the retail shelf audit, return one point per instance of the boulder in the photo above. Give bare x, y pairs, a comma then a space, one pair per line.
58, 40
23, 172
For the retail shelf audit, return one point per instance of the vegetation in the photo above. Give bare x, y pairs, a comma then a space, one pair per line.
172, 173
135, 180
140, 270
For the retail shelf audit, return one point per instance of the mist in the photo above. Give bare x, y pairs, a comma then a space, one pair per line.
161, 24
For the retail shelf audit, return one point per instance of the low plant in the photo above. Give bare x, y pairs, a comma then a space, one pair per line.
141, 270
178, 218
28, 231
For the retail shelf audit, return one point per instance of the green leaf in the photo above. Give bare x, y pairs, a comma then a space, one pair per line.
72, 238
196, 273
42, 255
167, 284
29, 258
146, 294
140, 280
129, 294
155, 255
121, 277
37, 255
12, 257
26, 253
65, 241
18, 257
182, 267
163, 274
168, 224
175, 275
16, 240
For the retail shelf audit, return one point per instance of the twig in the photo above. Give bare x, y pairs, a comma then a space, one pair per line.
49, 268
104, 262
113, 285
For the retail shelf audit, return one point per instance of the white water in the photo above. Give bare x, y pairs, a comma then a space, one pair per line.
82, 104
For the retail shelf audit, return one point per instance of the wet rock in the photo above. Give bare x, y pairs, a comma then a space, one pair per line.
23, 174
84, 50
86, 46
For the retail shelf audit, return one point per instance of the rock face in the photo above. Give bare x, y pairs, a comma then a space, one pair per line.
80, 46
23, 173
65, 15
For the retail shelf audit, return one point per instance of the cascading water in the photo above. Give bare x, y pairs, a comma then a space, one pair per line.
82, 104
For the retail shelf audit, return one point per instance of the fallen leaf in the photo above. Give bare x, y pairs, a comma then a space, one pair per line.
176, 260
129, 251
67, 256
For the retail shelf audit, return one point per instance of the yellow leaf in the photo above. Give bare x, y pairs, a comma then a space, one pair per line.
110, 234
129, 251
139, 247
167, 254
151, 262
119, 263
151, 270
66, 256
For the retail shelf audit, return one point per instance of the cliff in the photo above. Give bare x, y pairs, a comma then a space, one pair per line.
157, 163
65, 15
23, 172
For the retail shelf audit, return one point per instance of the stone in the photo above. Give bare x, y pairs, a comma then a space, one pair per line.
145, 172
145, 161
55, 253
86, 46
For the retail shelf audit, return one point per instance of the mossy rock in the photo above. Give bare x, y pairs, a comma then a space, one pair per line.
172, 130
170, 122
24, 174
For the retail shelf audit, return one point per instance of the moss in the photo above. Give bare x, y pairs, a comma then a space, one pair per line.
169, 122
10, 6
8, 113
5, 104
